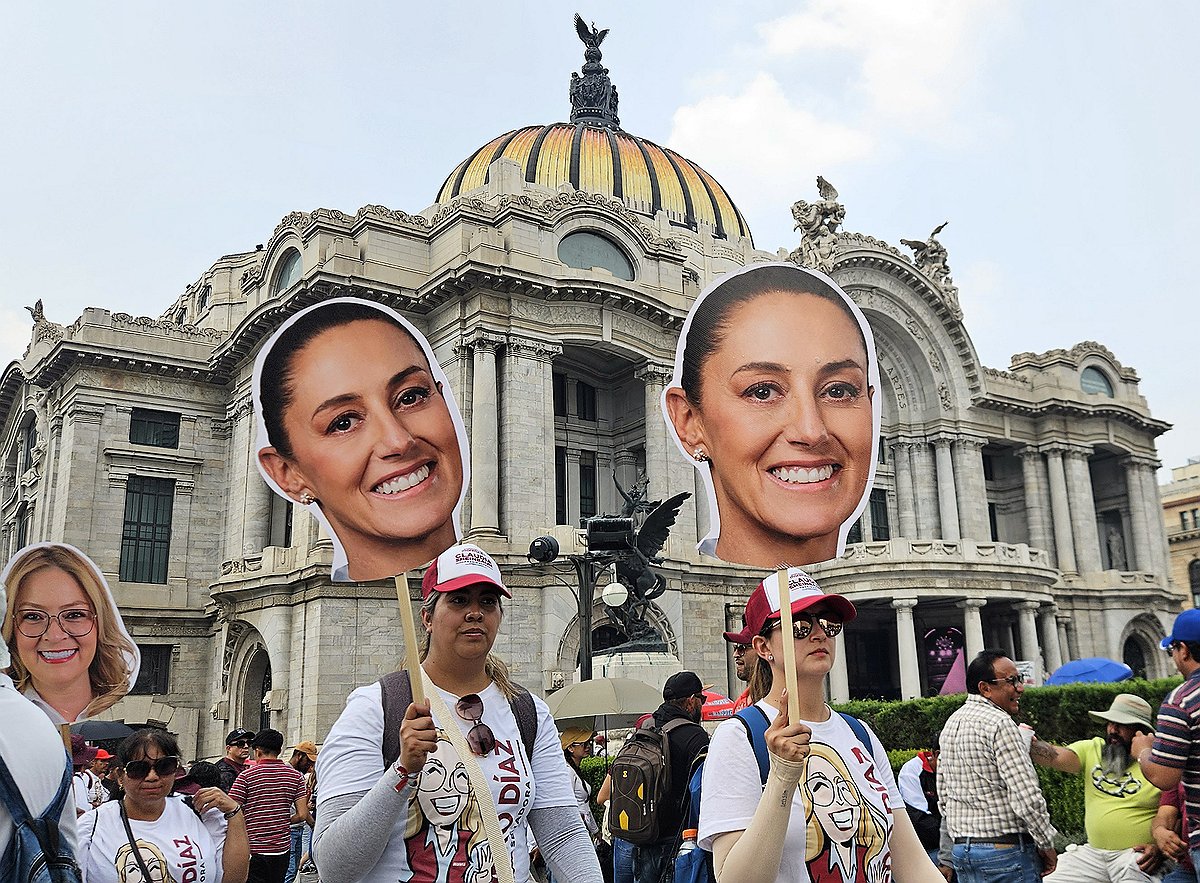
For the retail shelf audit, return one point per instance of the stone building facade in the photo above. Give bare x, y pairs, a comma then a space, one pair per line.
1012, 507
1181, 514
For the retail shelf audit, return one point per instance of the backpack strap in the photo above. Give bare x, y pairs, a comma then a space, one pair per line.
860, 731
14, 801
395, 694
754, 719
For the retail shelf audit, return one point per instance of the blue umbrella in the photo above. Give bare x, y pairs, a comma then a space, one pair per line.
1093, 670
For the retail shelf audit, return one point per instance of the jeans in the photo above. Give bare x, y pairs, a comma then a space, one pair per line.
267, 868
622, 860
982, 862
1182, 874
654, 862
295, 853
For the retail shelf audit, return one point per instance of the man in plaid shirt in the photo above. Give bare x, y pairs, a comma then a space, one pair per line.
987, 787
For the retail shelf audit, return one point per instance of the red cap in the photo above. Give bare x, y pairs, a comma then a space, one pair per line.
764, 603
459, 567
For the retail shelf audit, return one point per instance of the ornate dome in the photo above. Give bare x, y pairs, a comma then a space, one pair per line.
592, 153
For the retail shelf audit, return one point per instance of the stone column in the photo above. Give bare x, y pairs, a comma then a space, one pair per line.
1049, 623
905, 508
906, 648
865, 524
1155, 524
1007, 642
926, 488
1035, 508
1139, 551
527, 484
668, 471
971, 489
839, 679
485, 436
1083, 510
1027, 622
947, 496
1064, 537
1063, 621
972, 625
256, 529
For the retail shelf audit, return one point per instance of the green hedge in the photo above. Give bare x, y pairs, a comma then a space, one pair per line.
1058, 714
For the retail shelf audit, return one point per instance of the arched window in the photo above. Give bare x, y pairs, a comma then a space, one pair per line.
584, 250
1135, 657
1093, 380
288, 272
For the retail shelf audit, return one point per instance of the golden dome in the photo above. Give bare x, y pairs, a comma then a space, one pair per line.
593, 154
609, 161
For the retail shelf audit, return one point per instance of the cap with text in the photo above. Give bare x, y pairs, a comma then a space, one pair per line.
459, 567
763, 604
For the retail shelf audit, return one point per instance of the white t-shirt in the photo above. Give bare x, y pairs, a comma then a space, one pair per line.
447, 842
176, 847
89, 791
841, 813
33, 752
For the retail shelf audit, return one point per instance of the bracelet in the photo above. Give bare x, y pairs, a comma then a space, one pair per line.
404, 775
233, 812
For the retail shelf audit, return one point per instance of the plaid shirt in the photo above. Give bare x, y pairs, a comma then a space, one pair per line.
986, 783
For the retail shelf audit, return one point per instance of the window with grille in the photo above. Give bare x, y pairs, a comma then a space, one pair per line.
880, 528
587, 484
146, 534
154, 676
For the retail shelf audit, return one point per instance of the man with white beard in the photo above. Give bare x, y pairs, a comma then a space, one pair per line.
1119, 804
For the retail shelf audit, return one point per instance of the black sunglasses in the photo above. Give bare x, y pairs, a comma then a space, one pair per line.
1011, 680
480, 737
1170, 648
162, 766
241, 743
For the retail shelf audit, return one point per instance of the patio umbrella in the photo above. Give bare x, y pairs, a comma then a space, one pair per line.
620, 700
99, 731
716, 707
1094, 669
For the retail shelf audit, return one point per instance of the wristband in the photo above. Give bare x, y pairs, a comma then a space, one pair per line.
404, 775
233, 812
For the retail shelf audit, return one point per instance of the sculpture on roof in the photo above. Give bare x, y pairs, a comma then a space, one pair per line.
43, 328
593, 96
930, 256
818, 223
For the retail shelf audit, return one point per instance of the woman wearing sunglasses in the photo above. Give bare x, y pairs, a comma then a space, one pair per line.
71, 655
415, 820
149, 836
829, 811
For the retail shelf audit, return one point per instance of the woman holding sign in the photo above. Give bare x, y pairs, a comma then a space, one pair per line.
773, 400
481, 749
71, 654
828, 810
357, 422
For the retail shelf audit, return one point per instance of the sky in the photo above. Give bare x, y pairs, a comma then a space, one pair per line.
140, 141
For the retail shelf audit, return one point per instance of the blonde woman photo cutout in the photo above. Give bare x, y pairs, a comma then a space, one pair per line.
71, 655
775, 402
357, 422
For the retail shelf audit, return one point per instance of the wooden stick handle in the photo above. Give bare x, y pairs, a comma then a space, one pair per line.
412, 656
789, 645
64, 730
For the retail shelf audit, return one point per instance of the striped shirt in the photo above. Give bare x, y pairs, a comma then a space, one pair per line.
1177, 745
267, 792
986, 783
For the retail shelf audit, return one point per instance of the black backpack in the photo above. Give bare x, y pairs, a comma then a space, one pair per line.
641, 783
395, 694
37, 852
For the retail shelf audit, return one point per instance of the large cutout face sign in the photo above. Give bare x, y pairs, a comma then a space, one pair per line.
357, 421
774, 402
70, 652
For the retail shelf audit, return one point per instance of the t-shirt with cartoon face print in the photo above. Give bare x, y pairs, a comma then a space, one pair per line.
840, 826
176, 848
441, 837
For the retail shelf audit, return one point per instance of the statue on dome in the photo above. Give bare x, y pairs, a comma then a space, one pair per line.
931, 258
818, 223
593, 95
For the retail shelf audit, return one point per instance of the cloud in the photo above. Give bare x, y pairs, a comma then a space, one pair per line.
912, 61
760, 143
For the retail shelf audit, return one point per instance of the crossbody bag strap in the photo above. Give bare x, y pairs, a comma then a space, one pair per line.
137, 853
501, 860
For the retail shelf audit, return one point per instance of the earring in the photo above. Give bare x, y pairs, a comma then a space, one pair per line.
699, 456
770, 657
306, 498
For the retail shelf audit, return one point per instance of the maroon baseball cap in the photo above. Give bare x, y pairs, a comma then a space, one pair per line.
764, 603
742, 637
459, 567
